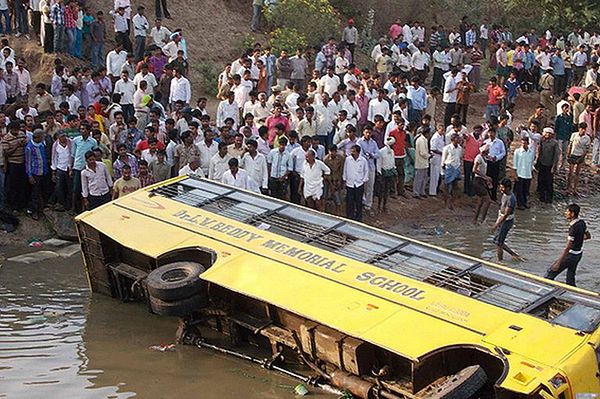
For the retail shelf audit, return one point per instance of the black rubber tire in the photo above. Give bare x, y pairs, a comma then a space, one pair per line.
462, 385
179, 308
176, 281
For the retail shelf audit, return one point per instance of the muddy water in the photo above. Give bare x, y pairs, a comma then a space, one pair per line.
57, 341
539, 236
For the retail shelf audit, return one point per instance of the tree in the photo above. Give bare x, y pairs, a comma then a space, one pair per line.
563, 14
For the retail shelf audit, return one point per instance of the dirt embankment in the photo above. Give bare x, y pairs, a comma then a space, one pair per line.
213, 31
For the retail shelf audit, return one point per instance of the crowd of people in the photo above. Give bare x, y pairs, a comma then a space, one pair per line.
304, 125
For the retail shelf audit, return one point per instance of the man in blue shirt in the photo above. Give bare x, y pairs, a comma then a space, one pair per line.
279, 163
81, 145
370, 151
558, 68
418, 97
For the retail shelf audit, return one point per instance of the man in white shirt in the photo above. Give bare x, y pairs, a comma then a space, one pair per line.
523, 159
352, 108
238, 177
144, 74
255, 164
192, 168
170, 49
114, 61
311, 183
228, 108
180, 89
126, 88
452, 155
379, 106
140, 30
436, 146
160, 34
591, 78
355, 175
219, 163
580, 60
450, 95
330, 82
298, 157
420, 62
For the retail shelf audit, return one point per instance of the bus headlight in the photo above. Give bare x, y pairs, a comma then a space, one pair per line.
586, 396
557, 381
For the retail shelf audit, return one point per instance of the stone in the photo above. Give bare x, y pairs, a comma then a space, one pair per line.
63, 225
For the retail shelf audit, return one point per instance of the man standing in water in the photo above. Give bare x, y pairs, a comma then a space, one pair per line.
570, 257
506, 219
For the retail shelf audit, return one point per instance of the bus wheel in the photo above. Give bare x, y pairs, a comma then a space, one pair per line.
176, 281
462, 385
180, 308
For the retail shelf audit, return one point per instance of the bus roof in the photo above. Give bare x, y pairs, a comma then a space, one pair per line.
332, 266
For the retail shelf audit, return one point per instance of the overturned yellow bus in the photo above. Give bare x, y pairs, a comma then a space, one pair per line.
374, 314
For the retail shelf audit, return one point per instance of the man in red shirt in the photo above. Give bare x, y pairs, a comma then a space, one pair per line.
399, 148
471, 142
495, 95
149, 132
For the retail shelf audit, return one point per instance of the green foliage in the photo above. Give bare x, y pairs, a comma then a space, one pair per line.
315, 20
367, 40
245, 42
209, 74
286, 39
561, 13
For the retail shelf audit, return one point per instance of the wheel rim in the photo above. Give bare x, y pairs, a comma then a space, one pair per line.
174, 275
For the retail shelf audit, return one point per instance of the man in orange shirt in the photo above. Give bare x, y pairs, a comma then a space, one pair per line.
399, 148
495, 95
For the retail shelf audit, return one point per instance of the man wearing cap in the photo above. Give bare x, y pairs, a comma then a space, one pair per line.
350, 36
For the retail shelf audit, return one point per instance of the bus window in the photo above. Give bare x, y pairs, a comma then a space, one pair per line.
570, 310
498, 288
356, 242
421, 263
579, 317
295, 223
193, 197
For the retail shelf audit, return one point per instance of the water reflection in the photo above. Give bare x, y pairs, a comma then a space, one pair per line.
539, 236
57, 341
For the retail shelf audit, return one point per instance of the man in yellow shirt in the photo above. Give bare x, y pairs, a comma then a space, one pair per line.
126, 184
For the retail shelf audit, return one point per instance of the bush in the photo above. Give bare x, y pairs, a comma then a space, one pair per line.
209, 74
286, 39
244, 43
313, 20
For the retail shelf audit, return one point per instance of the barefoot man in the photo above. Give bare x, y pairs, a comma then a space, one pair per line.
506, 219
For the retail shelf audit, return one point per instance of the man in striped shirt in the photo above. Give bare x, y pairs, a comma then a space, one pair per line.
36, 169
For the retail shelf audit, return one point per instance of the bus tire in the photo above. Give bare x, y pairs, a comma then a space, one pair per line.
462, 385
176, 281
179, 308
